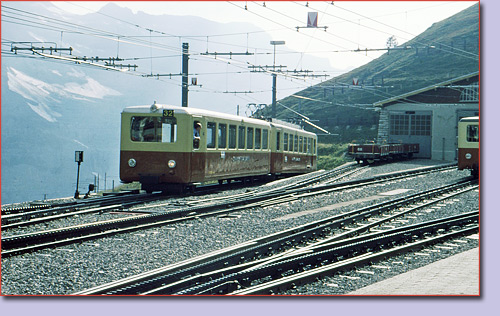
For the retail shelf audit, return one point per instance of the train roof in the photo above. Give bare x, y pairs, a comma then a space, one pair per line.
195, 111
470, 119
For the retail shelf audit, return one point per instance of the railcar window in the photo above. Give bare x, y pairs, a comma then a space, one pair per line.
301, 144
265, 139
232, 136
250, 138
473, 133
314, 146
222, 135
258, 135
278, 136
241, 137
153, 129
211, 132
309, 143
296, 143
285, 142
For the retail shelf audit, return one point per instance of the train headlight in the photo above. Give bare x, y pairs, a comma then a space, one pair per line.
172, 164
132, 163
468, 156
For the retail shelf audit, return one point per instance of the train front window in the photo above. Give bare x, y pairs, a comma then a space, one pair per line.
473, 133
153, 129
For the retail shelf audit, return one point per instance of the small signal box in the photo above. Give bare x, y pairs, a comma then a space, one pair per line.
78, 156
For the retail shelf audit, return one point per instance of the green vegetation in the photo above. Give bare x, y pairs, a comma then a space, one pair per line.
331, 155
448, 49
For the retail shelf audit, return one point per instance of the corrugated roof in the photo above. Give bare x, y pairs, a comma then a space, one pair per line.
415, 92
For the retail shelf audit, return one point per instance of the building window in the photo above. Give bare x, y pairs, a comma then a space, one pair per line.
421, 125
399, 124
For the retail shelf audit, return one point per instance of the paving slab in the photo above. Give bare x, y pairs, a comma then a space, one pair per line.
456, 275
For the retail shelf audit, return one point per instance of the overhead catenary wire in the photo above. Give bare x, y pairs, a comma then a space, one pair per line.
120, 38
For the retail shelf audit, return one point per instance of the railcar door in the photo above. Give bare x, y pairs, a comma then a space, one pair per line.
198, 148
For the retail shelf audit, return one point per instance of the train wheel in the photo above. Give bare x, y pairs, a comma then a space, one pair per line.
221, 182
475, 172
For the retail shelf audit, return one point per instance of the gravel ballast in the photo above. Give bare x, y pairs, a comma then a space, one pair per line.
72, 268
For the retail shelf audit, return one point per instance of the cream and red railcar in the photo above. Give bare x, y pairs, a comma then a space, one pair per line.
294, 150
468, 144
159, 148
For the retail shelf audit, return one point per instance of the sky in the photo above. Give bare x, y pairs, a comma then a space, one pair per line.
350, 25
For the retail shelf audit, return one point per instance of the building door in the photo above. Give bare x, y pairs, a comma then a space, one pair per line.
412, 127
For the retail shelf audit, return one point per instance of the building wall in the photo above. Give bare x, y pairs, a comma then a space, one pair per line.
444, 125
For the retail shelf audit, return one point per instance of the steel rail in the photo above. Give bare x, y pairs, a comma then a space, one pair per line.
225, 280
70, 209
266, 245
19, 244
245, 273
313, 274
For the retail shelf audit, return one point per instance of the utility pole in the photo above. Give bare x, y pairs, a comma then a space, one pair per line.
185, 62
274, 43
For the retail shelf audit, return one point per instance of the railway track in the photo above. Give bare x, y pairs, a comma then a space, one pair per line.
29, 216
44, 212
57, 237
14, 245
267, 258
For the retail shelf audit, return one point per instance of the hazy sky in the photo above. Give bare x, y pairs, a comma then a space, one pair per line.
351, 24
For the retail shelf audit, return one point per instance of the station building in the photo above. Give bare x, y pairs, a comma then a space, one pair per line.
429, 116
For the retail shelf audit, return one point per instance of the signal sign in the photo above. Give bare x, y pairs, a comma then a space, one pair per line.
312, 19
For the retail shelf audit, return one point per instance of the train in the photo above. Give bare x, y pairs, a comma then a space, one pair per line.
170, 148
370, 152
468, 145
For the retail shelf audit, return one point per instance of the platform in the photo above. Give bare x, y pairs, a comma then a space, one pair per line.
456, 275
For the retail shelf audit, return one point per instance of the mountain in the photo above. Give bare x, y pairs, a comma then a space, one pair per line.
446, 50
52, 108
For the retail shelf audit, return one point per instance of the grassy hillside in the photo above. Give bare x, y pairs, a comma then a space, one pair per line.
446, 50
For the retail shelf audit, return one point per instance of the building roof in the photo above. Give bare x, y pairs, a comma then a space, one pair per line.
426, 95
